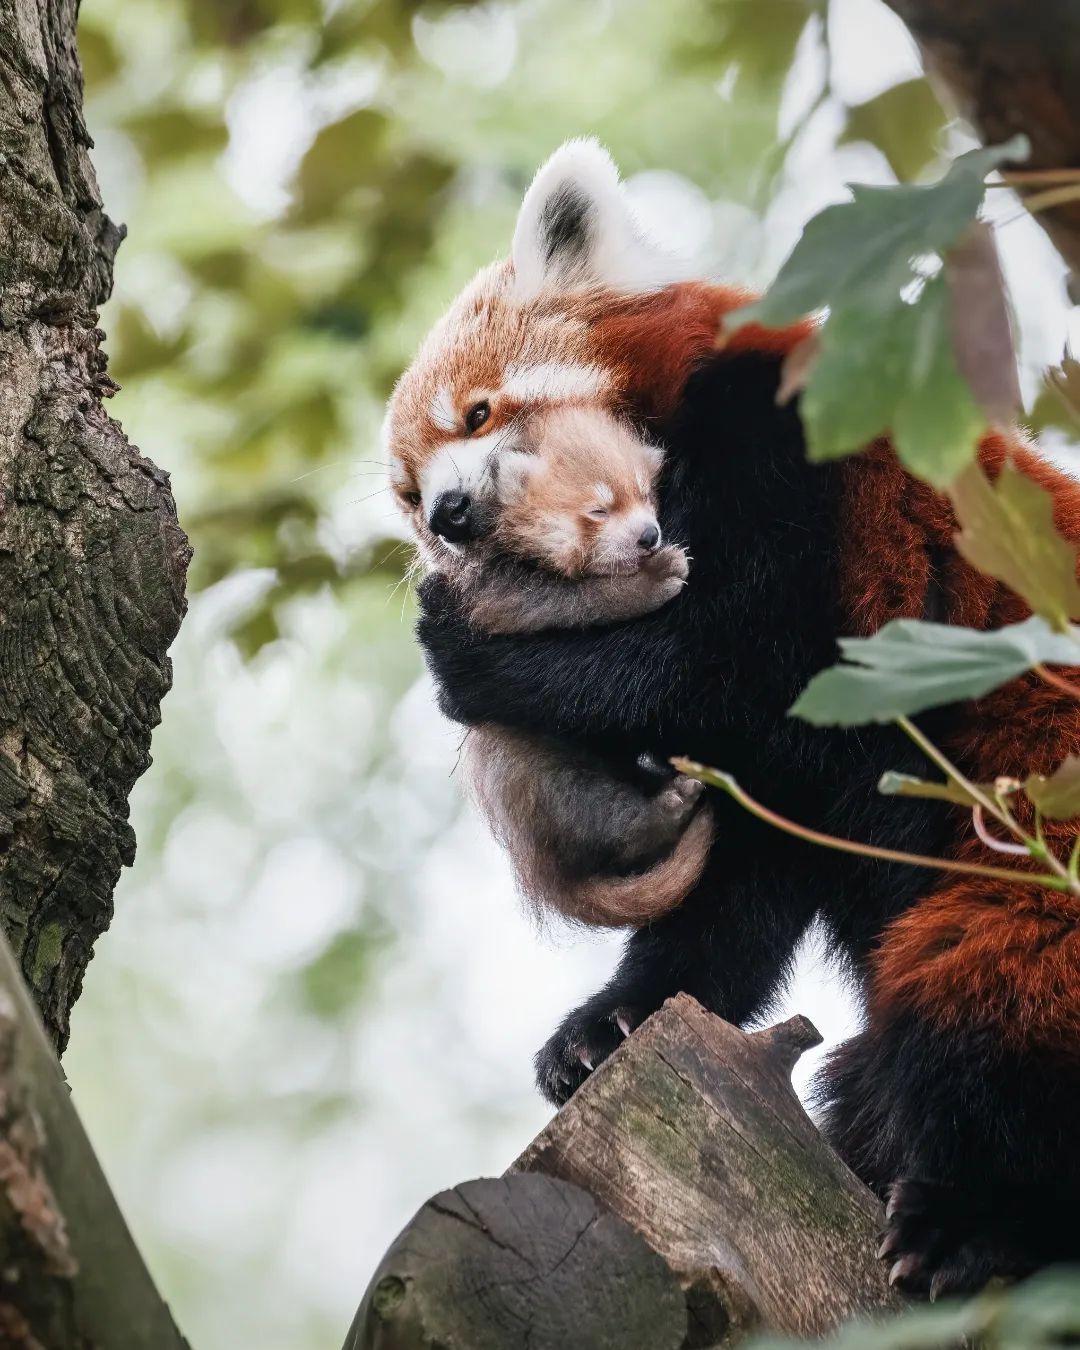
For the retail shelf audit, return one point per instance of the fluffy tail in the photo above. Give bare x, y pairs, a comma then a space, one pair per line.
629, 901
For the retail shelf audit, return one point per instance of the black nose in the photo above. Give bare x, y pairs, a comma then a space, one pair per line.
649, 538
451, 516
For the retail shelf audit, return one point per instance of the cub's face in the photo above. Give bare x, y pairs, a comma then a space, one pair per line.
525, 339
581, 503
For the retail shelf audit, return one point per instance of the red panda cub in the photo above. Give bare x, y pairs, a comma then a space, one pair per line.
574, 542
571, 540
578, 512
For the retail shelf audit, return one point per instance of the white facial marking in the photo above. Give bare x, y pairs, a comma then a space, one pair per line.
555, 381
458, 466
603, 495
442, 411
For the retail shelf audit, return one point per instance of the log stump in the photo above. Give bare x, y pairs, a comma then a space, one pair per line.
681, 1198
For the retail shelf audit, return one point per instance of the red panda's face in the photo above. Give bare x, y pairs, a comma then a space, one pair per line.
582, 504
523, 340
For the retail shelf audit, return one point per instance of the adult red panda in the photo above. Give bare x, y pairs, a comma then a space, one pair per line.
956, 1097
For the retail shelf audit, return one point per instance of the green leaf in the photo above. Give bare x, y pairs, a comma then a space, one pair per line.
1057, 797
863, 251
343, 157
1007, 531
904, 122
886, 362
758, 36
893, 784
173, 133
874, 376
1058, 401
911, 665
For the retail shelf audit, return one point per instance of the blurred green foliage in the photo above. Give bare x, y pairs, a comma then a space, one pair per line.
306, 183
1042, 1314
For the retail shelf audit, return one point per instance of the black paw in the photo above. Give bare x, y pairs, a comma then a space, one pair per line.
581, 1044
942, 1240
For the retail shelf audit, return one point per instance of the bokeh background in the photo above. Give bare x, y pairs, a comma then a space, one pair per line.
318, 999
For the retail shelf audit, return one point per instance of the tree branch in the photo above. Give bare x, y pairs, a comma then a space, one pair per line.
689, 1139
72, 1276
1011, 67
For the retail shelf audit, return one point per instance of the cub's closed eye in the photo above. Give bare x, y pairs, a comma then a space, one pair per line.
477, 415
598, 513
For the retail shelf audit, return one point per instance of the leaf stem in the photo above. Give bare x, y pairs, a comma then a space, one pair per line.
1029, 177
723, 781
1055, 196
1058, 682
1074, 860
950, 770
998, 845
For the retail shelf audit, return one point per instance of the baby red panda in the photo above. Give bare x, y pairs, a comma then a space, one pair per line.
579, 505
572, 540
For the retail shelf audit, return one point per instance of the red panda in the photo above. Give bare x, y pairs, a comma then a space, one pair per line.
954, 1098
573, 491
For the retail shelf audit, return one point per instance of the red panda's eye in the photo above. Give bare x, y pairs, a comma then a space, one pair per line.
413, 498
477, 415
598, 513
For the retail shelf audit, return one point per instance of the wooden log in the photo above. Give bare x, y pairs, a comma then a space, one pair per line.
519, 1263
693, 1133
688, 1144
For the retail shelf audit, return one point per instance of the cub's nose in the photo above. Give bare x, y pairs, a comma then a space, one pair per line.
649, 538
452, 517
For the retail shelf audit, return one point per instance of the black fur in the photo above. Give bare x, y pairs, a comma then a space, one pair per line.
712, 675
564, 225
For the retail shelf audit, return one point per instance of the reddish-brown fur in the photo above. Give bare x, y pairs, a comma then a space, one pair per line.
980, 952
974, 952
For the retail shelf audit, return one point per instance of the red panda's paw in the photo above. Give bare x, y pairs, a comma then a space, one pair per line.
584, 1040
941, 1240
665, 572
669, 562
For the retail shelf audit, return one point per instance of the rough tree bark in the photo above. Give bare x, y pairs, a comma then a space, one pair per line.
92, 561
1011, 66
71, 1277
689, 1145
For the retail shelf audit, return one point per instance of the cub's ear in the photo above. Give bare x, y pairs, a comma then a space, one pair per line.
515, 470
655, 456
575, 230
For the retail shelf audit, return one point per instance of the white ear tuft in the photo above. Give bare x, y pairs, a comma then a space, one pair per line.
576, 231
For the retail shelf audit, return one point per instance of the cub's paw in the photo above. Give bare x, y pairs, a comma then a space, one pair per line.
667, 569
941, 1240
585, 1039
676, 803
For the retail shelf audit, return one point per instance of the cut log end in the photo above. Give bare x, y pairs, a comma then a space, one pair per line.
682, 1197
523, 1262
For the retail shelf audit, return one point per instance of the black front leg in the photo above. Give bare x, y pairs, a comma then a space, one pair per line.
730, 945
634, 678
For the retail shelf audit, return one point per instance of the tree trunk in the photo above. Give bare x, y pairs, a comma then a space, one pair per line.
1011, 66
71, 1277
92, 561
689, 1145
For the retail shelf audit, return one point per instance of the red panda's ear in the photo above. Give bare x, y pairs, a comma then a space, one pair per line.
655, 456
575, 230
